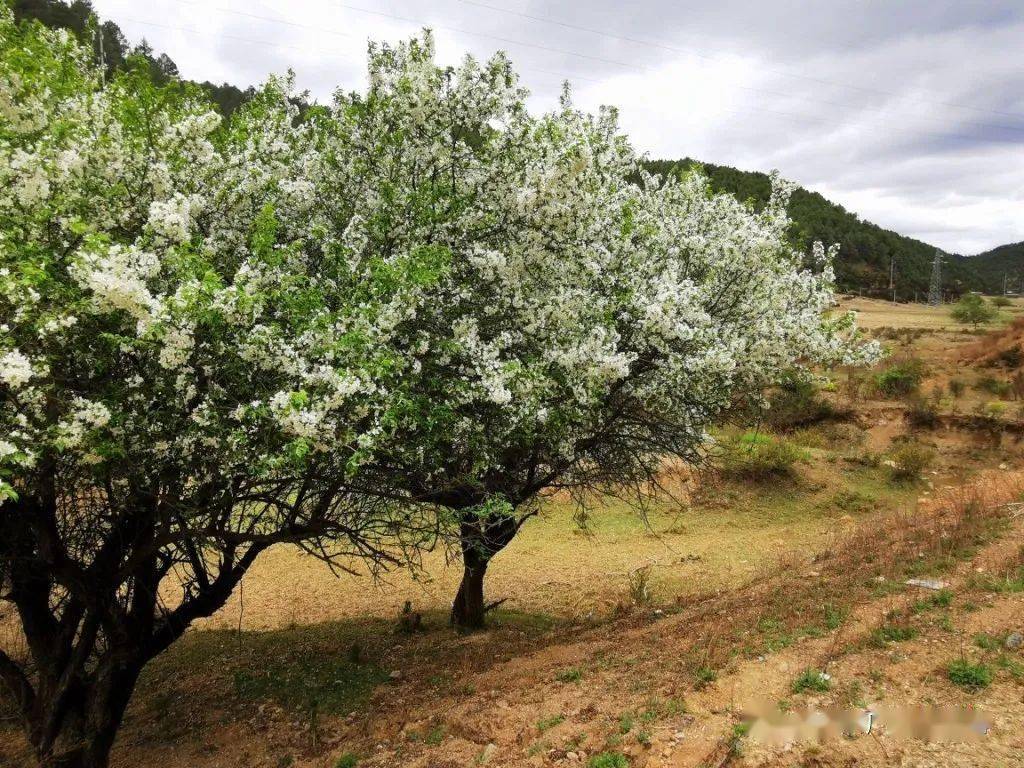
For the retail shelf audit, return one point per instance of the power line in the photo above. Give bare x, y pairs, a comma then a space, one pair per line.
642, 68
694, 52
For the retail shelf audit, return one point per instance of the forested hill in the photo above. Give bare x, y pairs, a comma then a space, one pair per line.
865, 248
76, 16
1005, 261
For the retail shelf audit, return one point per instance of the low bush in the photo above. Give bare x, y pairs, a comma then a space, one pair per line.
973, 677
797, 402
993, 385
812, 680
901, 378
922, 413
956, 387
608, 760
1001, 301
758, 456
908, 460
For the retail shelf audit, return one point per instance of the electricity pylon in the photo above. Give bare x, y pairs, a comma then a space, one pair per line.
935, 290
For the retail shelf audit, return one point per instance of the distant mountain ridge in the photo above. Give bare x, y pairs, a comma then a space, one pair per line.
866, 249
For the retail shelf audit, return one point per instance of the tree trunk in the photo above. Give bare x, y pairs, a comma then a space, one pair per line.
468, 609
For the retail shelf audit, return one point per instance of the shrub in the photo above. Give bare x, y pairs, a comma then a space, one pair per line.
892, 633
974, 310
1011, 357
1001, 301
348, 760
909, 460
797, 402
757, 456
993, 385
572, 675
922, 413
608, 760
812, 680
956, 387
973, 677
703, 677
640, 586
901, 379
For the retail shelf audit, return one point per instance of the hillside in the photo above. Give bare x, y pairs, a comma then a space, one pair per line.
1005, 260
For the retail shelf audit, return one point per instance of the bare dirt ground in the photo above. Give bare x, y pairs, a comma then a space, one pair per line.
752, 584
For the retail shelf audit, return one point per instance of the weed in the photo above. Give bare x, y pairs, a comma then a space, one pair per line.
626, 721
640, 586
973, 677
1008, 583
901, 379
956, 387
434, 736
348, 760
739, 731
812, 680
758, 456
941, 599
547, 723
571, 675
643, 736
703, 677
987, 642
892, 633
834, 616
608, 760
992, 385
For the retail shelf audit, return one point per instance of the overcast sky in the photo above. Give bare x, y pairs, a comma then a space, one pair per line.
909, 112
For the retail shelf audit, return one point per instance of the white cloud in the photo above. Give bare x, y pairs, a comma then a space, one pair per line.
911, 115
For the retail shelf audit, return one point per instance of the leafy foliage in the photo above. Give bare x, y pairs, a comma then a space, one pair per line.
974, 310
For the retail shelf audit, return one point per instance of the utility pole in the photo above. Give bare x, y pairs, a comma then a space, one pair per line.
1004, 283
103, 58
892, 277
935, 290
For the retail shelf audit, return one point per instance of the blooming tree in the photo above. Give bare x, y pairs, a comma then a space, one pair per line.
587, 320
186, 378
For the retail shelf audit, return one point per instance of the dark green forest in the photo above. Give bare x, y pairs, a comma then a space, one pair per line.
78, 16
866, 249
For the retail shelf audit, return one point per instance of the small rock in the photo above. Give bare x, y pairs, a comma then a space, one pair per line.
927, 583
395, 674
572, 757
1014, 641
678, 736
488, 753
1003, 466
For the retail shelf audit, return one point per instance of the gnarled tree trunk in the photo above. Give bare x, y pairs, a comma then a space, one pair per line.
481, 537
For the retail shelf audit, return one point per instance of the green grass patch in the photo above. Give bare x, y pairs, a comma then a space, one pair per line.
972, 677
547, 723
811, 680
892, 633
608, 760
571, 675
